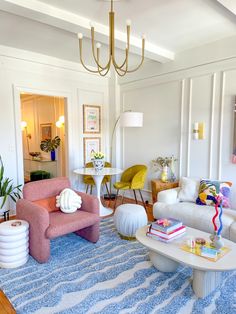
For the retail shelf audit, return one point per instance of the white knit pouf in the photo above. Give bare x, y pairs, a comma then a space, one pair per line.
14, 243
128, 218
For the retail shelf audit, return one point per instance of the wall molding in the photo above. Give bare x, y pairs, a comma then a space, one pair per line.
189, 125
213, 92
41, 59
221, 124
181, 126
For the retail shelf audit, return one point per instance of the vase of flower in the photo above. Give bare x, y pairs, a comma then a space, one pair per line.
98, 160
164, 174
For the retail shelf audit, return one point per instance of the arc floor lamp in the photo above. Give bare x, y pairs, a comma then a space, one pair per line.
126, 119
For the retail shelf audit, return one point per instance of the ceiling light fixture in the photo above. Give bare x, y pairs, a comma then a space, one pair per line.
122, 69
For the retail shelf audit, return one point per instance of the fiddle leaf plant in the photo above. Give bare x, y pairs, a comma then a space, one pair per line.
50, 145
7, 188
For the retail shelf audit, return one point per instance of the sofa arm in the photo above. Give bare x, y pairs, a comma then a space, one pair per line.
89, 203
168, 196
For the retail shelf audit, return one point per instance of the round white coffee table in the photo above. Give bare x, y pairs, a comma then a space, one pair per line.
98, 177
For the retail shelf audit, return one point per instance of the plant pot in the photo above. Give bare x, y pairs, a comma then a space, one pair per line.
53, 155
6, 206
98, 164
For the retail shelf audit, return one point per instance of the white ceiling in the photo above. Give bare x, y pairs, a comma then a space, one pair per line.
176, 25
171, 26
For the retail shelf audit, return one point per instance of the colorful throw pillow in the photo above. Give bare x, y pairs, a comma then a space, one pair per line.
209, 189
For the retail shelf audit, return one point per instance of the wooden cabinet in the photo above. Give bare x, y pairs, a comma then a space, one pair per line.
158, 185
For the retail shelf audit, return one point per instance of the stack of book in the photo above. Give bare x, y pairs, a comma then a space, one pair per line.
166, 229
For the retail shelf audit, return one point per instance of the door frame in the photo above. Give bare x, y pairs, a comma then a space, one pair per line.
17, 90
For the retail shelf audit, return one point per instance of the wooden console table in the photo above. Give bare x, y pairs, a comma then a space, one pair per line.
158, 185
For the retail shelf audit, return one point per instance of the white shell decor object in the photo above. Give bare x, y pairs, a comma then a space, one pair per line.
68, 201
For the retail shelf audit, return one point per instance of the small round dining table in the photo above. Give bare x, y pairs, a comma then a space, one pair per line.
98, 177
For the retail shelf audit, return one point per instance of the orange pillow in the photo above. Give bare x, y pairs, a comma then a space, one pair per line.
48, 203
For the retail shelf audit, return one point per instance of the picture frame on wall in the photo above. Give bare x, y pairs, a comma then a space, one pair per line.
46, 131
91, 144
91, 119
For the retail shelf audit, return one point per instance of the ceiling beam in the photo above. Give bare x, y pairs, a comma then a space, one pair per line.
44, 13
230, 5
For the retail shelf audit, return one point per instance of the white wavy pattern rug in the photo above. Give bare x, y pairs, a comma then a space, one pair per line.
112, 276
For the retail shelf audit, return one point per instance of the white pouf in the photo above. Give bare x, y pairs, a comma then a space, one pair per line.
14, 243
128, 218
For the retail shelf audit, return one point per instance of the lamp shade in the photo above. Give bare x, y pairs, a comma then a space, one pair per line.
131, 119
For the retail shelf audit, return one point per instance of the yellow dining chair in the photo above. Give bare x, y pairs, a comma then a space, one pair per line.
88, 180
132, 178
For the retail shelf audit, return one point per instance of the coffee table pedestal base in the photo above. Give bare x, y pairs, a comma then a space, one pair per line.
204, 282
163, 263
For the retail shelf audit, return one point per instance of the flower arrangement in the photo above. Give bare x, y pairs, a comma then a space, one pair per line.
160, 162
97, 155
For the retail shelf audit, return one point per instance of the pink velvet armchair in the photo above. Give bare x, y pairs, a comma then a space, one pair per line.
48, 222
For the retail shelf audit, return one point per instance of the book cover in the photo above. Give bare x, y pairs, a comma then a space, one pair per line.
166, 225
167, 235
155, 237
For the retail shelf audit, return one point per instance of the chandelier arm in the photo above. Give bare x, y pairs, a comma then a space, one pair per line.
93, 50
80, 49
128, 44
142, 60
107, 69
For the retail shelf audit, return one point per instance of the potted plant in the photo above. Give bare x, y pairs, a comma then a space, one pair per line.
49, 145
162, 163
98, 160
7, 189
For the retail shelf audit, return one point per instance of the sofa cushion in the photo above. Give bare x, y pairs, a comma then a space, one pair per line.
209, 189
48, 203
195, 216
61, 223
188, 189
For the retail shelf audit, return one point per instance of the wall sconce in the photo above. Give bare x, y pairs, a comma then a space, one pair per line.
24, 127
60, 123
199, 131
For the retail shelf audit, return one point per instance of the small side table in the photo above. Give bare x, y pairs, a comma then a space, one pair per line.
14, 243
158, 185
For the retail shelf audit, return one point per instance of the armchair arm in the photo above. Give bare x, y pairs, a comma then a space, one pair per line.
36, 215
168, 196
89, 203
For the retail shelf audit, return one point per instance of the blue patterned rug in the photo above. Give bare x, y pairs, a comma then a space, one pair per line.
111, 276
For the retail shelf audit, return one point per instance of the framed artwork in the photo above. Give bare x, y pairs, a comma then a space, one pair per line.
46, 131
91, 144
92, 119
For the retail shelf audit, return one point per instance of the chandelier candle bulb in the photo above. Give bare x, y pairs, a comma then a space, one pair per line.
98, 45
80, 35
128, 22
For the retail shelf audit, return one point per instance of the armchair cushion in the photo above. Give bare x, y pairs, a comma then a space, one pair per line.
61, 223
48, 203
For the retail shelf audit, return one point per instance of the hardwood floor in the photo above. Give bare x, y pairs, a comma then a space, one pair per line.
5, 305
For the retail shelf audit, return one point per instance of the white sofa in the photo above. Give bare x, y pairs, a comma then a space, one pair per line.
193, 215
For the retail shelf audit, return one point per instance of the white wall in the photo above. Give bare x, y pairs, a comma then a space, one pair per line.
175, 98
40, 74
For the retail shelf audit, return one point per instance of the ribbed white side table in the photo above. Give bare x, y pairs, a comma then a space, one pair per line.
14, 243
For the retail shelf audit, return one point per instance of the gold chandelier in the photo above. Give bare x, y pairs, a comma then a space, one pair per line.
122, 69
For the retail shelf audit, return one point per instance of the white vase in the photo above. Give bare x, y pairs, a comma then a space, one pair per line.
6, 206
98, 164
